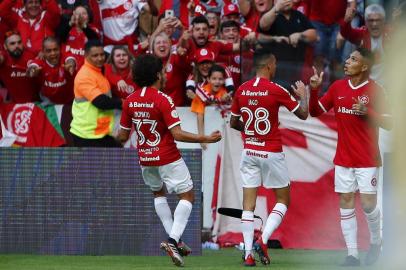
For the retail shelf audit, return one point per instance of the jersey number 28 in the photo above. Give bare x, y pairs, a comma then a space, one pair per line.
260, 115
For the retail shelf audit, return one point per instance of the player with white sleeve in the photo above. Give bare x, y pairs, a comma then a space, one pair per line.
359, 107
157, 124
257, 103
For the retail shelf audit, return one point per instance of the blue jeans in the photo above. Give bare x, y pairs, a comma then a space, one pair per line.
326, 45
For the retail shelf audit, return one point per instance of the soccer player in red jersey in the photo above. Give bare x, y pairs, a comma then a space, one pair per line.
257, 102
55, 73
358, 104
157, 124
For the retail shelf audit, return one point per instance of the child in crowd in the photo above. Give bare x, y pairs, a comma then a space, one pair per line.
215, 94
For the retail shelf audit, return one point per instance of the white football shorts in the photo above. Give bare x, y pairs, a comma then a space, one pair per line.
266, 168
347, 180
175, 175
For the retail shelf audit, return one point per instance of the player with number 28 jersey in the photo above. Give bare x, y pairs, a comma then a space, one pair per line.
258, 101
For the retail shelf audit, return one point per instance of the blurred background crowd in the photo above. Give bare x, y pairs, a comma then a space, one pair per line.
206, 46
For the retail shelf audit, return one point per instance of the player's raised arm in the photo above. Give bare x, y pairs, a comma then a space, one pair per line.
315, 108
184, 136
300, 90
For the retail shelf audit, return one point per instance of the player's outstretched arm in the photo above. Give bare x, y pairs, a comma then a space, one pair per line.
184, 136
300, 90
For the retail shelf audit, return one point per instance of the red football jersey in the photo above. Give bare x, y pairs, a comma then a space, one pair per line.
153, 115
114, 78
258, 101
357, 144
75, 45
21, 88
56, 83
176, 70
216, 47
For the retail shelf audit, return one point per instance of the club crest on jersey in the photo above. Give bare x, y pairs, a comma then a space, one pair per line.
203, 52
237, 59
373, 182
169, 68
364, 99
71, 2
128, 5
174, 114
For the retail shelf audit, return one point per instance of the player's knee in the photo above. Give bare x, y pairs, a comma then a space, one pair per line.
368, 204
188, 196
347, 200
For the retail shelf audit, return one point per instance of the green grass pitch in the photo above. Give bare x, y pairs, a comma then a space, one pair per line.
223, 259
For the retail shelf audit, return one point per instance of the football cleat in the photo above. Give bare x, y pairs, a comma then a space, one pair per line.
184, 250
262, 250
351, 261
249, 261
373, 254
172, 252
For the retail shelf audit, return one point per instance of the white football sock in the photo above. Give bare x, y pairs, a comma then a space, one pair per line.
180, 219
374, 224
247, 228
273, 221
349, 229
164, 213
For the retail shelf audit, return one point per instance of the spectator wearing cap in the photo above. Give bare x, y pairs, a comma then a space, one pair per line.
13, 64
292, 33
253, 10
33, 22
214, 94
372, 36
198, 79
54, 72
231, 12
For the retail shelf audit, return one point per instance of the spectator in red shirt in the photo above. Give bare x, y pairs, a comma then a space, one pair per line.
200, 39
55, 73
33, 22
253, 10
372, 36
75, 31
176, 67
118, 72
13, 65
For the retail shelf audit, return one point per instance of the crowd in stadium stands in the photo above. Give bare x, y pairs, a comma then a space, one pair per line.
206, 46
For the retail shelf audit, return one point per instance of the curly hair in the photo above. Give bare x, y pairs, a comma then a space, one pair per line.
145, 69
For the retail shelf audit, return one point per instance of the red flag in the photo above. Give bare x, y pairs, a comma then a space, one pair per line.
31, 125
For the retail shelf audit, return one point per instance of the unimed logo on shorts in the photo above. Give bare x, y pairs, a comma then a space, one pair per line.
373, 182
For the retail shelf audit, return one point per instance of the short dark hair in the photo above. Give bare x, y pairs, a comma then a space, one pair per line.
50, 39
229, 23
92, 43
261, 57
366, 54
145, 69
200, 19
217, 68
